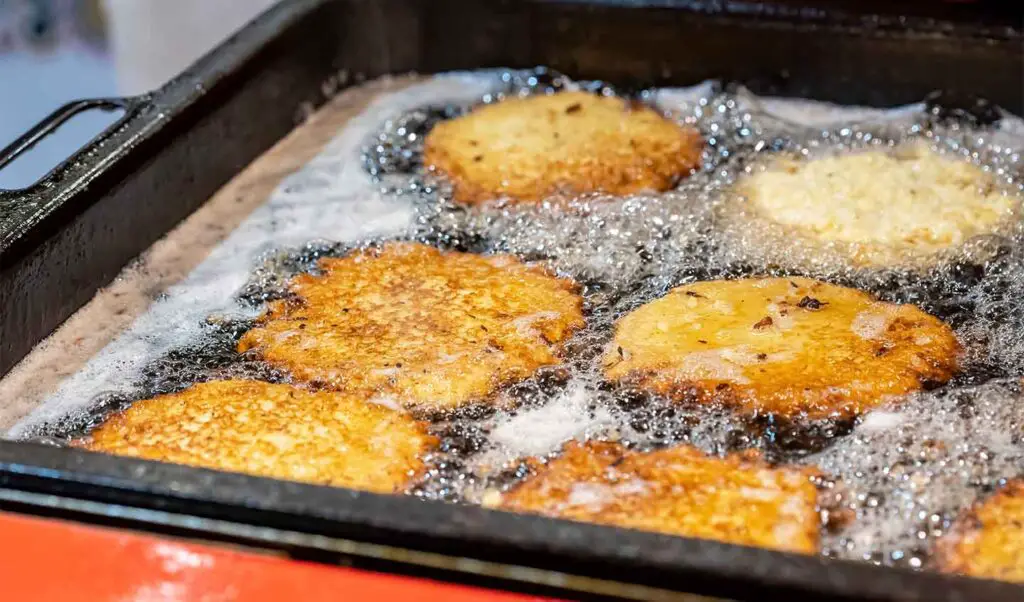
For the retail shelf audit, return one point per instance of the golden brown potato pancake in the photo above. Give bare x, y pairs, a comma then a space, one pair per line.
737, 499
781, 346
988, 540
529, 149
883, 207
420, 327
271, 430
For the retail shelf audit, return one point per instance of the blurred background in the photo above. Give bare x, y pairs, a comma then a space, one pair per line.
55, 51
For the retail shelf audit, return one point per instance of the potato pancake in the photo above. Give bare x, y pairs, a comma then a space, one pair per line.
780, 346
883, 207
272, 430
566, 144
680, 491
412, 325
988, 540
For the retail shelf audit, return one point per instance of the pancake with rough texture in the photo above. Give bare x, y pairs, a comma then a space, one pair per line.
678, 490
412, 325
272, 430
881, 207
558, 145
988, 540
780, 346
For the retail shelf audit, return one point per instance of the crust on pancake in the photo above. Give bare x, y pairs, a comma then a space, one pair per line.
781, 346
529, 149
429, 329
987, 541
272, 430
737, 499
880, 207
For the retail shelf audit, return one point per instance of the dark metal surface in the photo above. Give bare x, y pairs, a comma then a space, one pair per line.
70, 234
630, 557
59, 117
548, 582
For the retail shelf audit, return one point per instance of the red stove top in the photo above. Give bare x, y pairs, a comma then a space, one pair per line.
48, 560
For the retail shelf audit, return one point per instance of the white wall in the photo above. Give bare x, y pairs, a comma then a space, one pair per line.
153, 40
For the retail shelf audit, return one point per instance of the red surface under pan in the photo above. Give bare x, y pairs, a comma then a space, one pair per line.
46, 560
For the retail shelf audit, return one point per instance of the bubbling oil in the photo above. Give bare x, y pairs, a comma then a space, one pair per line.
905, 472
895, 478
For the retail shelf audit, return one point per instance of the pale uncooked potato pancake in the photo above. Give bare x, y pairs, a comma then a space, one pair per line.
780, 346
408, 324
883, 206
272, 430
529, 149
680, 491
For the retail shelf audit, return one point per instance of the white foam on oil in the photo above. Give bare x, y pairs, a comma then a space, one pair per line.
869, 324
592, 496
539, 431
331, 198
907, 471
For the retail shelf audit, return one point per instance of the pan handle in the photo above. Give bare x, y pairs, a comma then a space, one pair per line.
52, 122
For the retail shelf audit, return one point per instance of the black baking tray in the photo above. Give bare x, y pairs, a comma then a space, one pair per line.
71, 233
